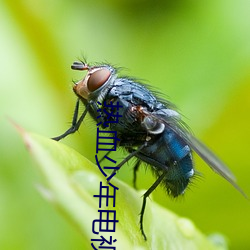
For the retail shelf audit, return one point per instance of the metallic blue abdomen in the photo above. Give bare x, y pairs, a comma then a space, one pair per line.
170, 153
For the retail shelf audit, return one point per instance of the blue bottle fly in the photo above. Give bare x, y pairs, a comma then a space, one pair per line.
149, 128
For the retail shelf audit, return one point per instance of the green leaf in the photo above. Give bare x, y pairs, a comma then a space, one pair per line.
71, 181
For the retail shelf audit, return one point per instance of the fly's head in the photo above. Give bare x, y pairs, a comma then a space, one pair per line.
95, 81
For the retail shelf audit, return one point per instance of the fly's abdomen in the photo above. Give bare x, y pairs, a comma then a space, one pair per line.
178, 176
168, 153
180, 165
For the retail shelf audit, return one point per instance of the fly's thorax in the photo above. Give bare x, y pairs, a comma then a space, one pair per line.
94, 85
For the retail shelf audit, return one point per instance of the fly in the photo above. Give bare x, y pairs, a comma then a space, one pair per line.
150, 129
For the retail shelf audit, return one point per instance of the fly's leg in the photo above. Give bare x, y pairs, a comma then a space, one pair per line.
145, 196
132, 154
104, 156
75, 123
136, 167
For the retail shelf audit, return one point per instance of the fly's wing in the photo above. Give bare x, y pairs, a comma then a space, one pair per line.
175, 124
212, 160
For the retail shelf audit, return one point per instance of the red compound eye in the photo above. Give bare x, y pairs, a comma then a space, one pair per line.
97, 79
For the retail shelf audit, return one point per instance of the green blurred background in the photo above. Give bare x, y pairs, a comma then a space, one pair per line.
196, 52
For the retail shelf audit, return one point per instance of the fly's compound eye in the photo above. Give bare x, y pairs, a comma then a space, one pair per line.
97, 79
